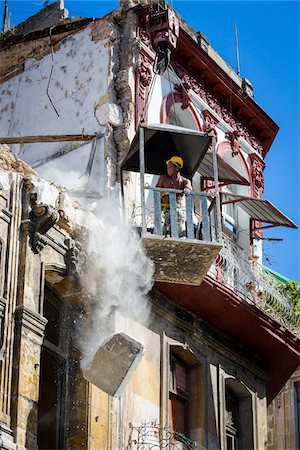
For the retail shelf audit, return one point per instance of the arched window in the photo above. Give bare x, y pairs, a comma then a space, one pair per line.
177, 111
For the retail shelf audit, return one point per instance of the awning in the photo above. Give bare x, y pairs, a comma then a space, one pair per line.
260, 210
226, 173
163, 141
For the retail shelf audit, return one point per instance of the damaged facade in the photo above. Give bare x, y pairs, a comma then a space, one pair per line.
75, 95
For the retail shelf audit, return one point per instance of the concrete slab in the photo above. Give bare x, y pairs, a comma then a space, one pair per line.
183, 261
114, 363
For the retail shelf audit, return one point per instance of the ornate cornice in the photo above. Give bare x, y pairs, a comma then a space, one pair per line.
214, 103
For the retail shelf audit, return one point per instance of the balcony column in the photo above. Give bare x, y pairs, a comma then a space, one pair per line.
216, 180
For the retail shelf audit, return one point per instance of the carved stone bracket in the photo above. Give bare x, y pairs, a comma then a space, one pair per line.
257, 177
233, 137
42, 218
182, 90
75, 257
257, 167
209, 120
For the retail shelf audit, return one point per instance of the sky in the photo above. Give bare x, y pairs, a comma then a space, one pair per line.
269, 43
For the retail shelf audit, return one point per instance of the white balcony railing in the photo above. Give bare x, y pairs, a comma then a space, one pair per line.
233, 267
251, 282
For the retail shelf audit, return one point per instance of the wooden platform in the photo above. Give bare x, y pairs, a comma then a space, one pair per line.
183, 261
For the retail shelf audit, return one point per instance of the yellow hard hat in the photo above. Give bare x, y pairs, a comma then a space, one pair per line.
177, 160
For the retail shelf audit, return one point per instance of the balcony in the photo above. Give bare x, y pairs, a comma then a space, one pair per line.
252, 283
182, 241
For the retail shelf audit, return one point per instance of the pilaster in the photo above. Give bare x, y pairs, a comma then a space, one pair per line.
29, 334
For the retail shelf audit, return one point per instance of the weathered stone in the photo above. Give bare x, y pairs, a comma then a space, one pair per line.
180, 260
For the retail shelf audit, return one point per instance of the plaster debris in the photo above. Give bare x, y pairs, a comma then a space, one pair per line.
9, 162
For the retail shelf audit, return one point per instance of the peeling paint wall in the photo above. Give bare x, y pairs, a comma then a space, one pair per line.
69, 91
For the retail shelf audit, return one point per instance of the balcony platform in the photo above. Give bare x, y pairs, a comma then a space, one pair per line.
243, 323
184, 261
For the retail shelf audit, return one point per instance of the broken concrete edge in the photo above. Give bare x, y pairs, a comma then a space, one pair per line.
46, 17
73, 217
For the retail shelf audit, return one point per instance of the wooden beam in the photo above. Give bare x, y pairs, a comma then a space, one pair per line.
46, 138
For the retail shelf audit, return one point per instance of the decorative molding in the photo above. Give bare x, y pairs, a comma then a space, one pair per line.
186, 101
145, 38
233, 137
178, 97
74, 257
144, 78
6, 438
257, 176
30, 320
217, 106
42, 218
210, 121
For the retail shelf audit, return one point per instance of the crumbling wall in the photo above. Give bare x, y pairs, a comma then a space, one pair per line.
69, 90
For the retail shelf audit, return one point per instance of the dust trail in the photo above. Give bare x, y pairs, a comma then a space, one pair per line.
117, 278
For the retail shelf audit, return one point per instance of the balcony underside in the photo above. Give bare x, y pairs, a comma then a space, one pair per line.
181, 261
243, 322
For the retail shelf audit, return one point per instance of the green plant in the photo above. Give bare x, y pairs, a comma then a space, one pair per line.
291, 290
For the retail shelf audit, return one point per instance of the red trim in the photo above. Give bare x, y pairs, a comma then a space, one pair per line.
225, 146
177, 97
243, 323
242, 104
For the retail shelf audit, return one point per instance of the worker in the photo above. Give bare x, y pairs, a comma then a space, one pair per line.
174, 180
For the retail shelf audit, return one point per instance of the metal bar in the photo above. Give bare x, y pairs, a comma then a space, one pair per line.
173, 215
267, 226
177, 191
189, 216
232, 201
65, 150
205, 219
142, 179
216, 180
46, 138
157, 214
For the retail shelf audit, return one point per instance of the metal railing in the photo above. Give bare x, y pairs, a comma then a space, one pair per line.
251, 282
198, 222
233, 267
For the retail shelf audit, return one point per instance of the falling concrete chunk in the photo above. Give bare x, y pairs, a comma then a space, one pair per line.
114, 363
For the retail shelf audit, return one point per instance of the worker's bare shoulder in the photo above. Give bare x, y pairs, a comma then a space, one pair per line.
162, 181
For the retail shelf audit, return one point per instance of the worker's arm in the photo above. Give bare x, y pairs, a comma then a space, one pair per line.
187, 185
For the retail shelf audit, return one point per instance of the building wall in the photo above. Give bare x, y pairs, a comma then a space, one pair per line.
93, 78
92, 418
283, 417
